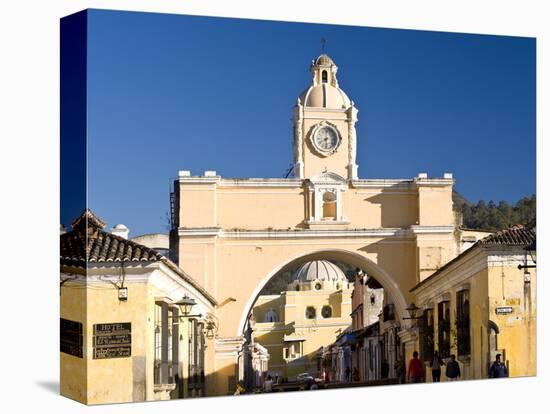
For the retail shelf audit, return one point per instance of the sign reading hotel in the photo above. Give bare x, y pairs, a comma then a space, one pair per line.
112, 340
71, 337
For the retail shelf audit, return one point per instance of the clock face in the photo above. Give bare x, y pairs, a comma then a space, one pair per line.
326, 138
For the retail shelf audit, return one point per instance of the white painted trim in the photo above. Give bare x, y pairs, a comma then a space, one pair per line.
199, 180
199, 231
434, 182
156, 273
455, 274
312, 233
418, 229
403, 183
262, 182
328, 222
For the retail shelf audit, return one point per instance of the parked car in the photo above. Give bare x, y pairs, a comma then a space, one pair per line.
309, 380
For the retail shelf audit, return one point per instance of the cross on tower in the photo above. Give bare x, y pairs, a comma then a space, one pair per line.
323, 44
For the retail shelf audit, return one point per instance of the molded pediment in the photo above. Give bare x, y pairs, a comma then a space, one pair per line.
328, 178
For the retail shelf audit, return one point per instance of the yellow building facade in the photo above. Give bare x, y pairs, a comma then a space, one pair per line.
483, 303
234, 234
294, 325
124, 337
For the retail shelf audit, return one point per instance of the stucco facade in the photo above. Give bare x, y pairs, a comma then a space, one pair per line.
501, 303
294, 325
233, 235
124, 338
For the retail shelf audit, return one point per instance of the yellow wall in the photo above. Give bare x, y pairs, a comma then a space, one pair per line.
127, 379
73, 370
290, 307
517, 336
493, 280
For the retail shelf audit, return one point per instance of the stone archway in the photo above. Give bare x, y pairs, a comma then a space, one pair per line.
353, 258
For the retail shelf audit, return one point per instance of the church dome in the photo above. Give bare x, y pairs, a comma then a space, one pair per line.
324, 59
319, 270
325, 96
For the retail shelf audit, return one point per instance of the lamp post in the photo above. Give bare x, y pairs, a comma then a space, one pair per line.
185, 305
412, 309
532, 251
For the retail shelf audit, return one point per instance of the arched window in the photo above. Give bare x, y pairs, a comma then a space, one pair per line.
271, 316
324, 76
329, 205
310, 312
326, 312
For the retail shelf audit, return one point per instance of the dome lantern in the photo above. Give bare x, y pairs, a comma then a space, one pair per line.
324, 91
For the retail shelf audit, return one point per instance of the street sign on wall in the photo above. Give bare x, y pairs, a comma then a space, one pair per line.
112, 340
503, 310
71, 337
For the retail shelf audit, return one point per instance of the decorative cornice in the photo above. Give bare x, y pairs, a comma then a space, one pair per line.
433, 182
312, 233
199, 180
199, 231
417, 229
243, 182
262, 182
405, 184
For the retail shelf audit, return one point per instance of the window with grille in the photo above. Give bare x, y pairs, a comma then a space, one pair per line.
463, 322
444, 329
427, 335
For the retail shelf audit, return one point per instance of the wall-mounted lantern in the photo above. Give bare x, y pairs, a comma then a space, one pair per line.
186, 305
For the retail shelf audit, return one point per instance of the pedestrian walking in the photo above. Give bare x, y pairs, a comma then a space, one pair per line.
453, 369
416, 369
268, 384
436, 363
347, 373
399, 370
498, 369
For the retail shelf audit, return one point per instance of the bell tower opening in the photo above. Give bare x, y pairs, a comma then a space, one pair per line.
324, 125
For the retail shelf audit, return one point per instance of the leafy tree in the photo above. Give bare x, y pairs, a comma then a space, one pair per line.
494, 217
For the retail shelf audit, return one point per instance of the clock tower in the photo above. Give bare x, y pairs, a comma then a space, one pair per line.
324, 126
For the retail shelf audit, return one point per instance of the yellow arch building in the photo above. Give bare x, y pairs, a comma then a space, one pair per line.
234, 234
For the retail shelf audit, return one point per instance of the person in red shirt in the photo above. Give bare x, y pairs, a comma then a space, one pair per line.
416, 369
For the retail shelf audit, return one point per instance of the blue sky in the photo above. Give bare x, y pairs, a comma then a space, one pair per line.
171, 92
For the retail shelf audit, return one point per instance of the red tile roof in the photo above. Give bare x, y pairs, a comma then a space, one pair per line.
89, 243
514, 236
521, 236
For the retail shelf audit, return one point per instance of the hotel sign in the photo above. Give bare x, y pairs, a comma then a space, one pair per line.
112, 340
503, 310
71, 337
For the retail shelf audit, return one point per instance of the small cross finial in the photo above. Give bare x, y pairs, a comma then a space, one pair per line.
323, 44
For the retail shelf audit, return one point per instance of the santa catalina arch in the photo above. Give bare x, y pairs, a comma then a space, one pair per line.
233, 234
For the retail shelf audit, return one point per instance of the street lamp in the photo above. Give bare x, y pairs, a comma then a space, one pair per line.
532, 250
186, 305
412, 309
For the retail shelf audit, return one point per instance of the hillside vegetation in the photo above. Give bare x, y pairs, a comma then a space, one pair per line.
494, 217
